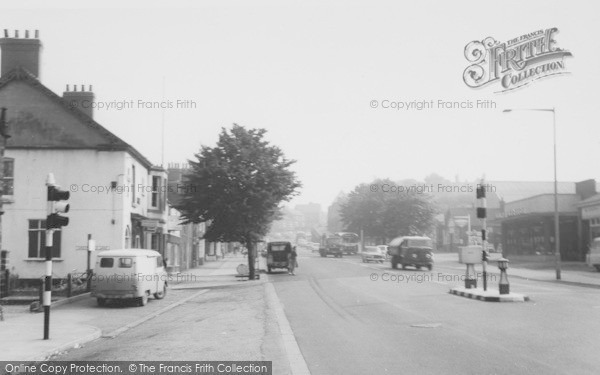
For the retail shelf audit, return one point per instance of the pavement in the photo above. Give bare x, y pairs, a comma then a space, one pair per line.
490, 295
74, 325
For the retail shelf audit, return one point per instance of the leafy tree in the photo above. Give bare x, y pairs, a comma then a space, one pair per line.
236, 188
388, 214
334, 221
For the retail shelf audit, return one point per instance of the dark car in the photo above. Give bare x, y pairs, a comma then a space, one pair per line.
332, 246
277, 254
411, 251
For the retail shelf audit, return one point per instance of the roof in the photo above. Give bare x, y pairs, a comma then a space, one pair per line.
128, 252
396, 241
590, 201
515, 190
113, 143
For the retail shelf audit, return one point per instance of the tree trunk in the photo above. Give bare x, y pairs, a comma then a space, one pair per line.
251, 260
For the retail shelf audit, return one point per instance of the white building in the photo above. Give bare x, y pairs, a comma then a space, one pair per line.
117, 195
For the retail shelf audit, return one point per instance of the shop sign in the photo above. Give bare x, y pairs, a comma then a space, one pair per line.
590, 212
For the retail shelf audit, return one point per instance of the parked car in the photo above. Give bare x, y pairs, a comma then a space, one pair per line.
372, 254
129, 274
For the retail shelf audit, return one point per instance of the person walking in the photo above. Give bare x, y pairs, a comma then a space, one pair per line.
292, 262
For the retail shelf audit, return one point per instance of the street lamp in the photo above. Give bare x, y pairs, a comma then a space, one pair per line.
556, 226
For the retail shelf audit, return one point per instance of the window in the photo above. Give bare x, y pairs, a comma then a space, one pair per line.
125, 262
9, 177
107, 262
37, 240
155, 191
154, 241
163, 195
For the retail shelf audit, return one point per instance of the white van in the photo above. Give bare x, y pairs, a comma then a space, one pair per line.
129, 274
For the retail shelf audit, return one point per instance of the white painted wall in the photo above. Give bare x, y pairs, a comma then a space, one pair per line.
104, 214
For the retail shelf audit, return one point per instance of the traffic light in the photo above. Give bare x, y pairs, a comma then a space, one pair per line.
480, 191
56, 206
3, 128
481, 213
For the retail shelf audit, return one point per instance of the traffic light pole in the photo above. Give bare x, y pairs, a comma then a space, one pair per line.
48, 283
484, 240
482, 214
54, 221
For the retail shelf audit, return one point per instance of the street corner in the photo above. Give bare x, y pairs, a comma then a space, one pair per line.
488, 295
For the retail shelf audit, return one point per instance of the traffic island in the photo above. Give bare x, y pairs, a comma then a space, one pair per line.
488, 295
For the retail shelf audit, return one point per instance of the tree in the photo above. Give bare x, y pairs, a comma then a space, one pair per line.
236, 188
385, 214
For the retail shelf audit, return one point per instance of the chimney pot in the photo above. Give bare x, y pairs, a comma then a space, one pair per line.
91, 88
17, 52
79, 100
37, 34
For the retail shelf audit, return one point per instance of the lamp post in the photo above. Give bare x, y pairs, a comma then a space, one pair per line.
556, 225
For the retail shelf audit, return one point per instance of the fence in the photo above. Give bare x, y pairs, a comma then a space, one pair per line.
72, 285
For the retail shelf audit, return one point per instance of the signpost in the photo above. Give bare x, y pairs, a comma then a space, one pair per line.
91, 246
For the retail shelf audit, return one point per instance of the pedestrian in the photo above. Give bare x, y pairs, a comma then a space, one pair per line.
292, 262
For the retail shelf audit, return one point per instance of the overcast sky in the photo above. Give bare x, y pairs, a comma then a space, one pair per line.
307, 72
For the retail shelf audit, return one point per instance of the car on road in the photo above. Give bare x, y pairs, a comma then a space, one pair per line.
129, 274
411, 251
278, 255
384, 250
332, 246
372, 254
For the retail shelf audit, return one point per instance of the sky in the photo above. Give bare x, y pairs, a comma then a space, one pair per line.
309, 72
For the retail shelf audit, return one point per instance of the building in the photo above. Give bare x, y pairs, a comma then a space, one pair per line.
117, 195
528, 224
189, 248
462, 210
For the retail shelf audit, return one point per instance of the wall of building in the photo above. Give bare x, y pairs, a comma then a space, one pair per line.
95, 210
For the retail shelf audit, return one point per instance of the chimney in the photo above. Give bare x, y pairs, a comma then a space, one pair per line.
23, 52
83, 99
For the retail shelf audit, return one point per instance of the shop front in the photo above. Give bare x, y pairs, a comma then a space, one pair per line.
589, 219
528, 227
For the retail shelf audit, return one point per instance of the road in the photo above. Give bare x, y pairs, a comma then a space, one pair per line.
347, 323
349, 317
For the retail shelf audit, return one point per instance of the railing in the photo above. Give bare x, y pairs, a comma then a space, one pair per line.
75, 283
